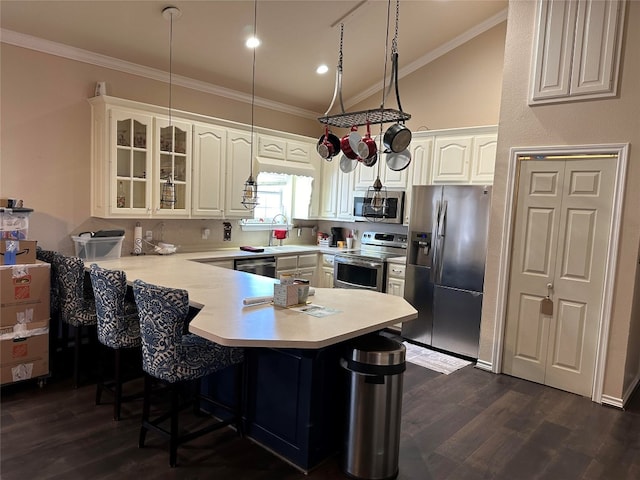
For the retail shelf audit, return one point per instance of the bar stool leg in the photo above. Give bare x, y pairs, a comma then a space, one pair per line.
175, 411
76, 359
117, 400
146, 408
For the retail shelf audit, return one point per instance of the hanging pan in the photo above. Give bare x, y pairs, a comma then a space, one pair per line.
347, 164
328, 145
398, 161
397, 137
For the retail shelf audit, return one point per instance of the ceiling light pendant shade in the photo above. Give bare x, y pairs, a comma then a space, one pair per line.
376, 201
250, 190
168, 194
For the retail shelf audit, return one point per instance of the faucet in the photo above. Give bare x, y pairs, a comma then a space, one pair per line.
273, 222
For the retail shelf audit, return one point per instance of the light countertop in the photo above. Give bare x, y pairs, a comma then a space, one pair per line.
224, 319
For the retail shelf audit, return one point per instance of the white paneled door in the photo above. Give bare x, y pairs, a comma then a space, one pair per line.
561, 237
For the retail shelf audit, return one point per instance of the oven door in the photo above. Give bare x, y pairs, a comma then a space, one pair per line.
354, 272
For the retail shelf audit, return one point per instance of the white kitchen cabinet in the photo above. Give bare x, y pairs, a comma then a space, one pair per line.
134, 154
395, 278
336, 201
326, 271
452, 159
464, 155
302, 266
209, 168
365, 176
577, 52
483, 158
172, 163
220, 166
419, 170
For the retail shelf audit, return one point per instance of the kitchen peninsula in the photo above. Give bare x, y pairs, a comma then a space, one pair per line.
296, 389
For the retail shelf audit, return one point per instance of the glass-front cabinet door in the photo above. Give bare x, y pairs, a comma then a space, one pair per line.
131, 163
172, 173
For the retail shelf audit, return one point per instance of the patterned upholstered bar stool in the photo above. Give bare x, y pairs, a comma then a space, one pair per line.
176, 357
76, 308
118, 329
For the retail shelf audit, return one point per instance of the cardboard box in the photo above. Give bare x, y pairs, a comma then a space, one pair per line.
24, 353
25, 252
24, 286
24, 313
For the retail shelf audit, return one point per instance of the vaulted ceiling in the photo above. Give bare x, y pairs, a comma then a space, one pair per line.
297, 35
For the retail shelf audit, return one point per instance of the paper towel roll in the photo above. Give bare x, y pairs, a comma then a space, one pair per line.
137, 240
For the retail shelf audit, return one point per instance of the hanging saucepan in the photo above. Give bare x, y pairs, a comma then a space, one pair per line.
398, 161
347, 164
346, 147
367, 146
328, 145
397, 137
371, 161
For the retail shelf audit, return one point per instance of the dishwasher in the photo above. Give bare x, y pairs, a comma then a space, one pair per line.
265, 266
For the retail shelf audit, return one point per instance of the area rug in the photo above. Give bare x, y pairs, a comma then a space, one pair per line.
437, 361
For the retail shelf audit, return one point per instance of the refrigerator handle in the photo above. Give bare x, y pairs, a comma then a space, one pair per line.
442, 216
434, 241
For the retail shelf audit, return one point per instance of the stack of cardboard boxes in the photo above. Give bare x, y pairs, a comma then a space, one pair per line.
24, 303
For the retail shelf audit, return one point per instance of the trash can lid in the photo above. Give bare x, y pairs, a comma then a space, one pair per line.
377, 350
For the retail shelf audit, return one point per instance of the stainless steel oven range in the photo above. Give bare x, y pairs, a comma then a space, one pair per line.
367, 268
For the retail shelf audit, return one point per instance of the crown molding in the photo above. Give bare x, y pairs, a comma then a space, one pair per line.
72, 53
434, 54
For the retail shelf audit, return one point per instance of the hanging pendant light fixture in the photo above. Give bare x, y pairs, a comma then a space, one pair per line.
377, 193
250, 190
168, 192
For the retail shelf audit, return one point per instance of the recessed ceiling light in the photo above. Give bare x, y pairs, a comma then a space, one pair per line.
322, 69
252, 42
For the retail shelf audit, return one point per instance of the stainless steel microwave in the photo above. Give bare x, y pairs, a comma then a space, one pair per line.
391, 209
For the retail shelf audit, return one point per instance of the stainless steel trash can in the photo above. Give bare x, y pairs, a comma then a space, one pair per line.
375, 365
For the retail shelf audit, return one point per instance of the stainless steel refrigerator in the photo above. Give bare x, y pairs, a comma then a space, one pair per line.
446, 254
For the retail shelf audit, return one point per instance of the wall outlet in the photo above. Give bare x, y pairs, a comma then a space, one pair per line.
148, 235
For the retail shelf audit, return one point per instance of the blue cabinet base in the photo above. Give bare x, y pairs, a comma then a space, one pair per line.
295, 401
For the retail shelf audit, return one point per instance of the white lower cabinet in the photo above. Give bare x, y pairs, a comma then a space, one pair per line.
326, 271
395, 283
299, 266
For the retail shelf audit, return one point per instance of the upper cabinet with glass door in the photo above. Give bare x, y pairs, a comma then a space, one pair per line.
141, 164
172, 169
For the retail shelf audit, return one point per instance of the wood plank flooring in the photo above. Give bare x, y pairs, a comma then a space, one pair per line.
468, 425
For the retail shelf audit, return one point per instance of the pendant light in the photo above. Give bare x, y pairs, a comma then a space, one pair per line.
377, 193
250, 190
168, 192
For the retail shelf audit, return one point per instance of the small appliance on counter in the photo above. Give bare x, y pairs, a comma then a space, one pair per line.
336, 236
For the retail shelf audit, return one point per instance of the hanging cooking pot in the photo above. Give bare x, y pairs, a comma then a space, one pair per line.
398, 161
371, 161
346, 146
328, 145
367, 146
397, 137
347, 164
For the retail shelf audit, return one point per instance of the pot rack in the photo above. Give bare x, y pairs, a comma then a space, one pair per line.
376, 115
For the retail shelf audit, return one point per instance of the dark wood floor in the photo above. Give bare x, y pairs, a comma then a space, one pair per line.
467, 425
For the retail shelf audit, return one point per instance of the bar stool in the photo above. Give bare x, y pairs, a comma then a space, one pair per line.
118, 329
76, 309
175, 357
